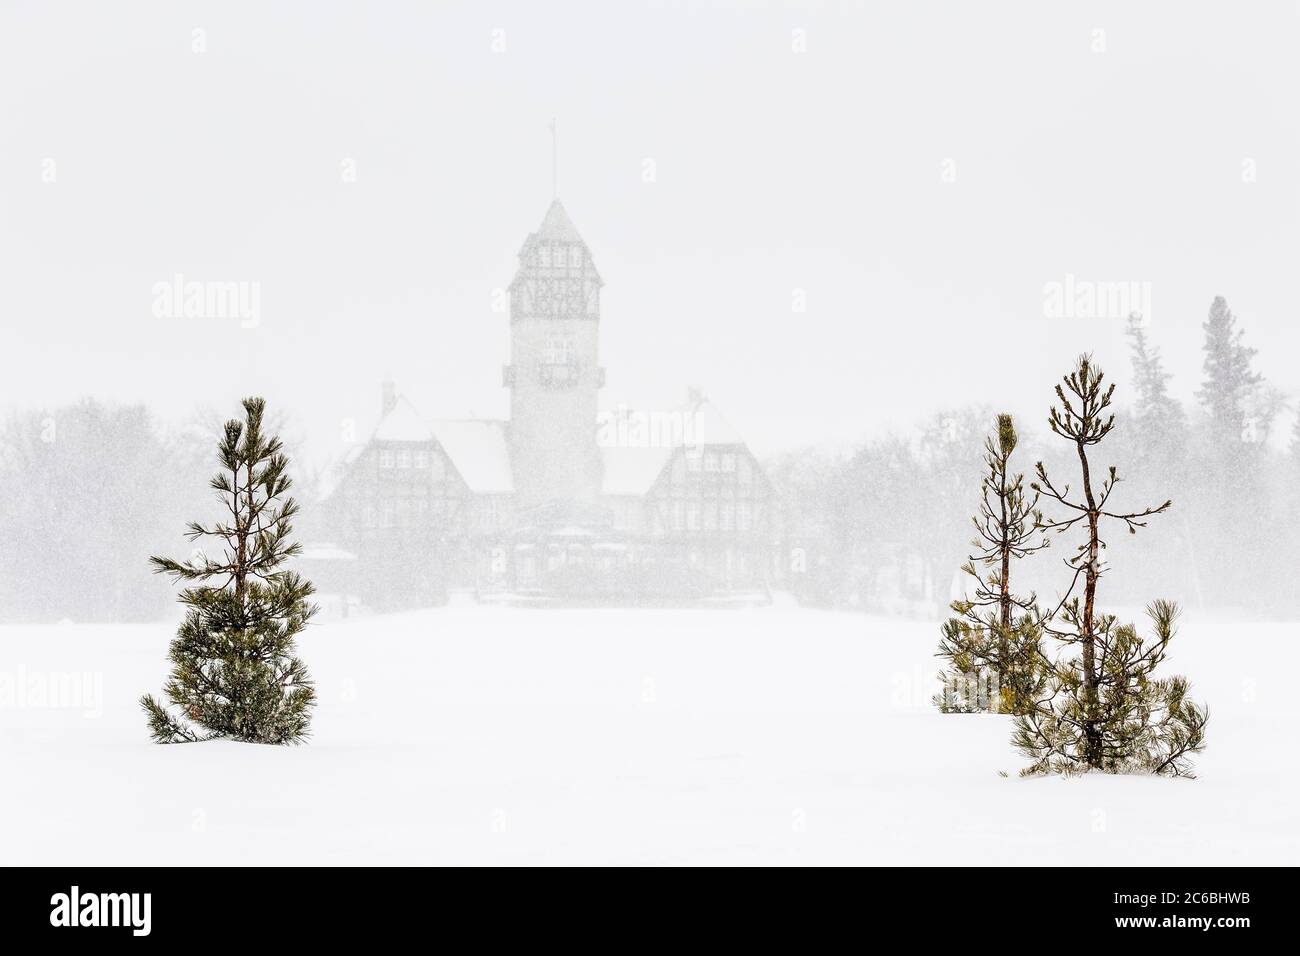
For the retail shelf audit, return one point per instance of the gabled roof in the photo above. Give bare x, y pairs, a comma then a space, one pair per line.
403, 423
705, 425
479, 450
477, 447
634, 470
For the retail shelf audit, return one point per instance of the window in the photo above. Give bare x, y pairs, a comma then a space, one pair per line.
386, 458
693, 517
575, 257
544, 256
404, 458
387, 514
742, 516
710, 516
559, 257
729, 461
710, 461
559, 350
421, 459
559, 362
727, 516
370, 517
679, 512
692, 459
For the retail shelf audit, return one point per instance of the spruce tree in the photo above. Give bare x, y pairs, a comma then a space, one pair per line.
992, 644
1230, 381
1231, 492
234, 673
1104, 709
1159, 415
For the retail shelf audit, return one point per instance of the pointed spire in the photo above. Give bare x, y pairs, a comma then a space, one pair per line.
557, 226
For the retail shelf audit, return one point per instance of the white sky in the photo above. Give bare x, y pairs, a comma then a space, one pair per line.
776, 171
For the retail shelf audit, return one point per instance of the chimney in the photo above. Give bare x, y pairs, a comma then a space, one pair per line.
388, 396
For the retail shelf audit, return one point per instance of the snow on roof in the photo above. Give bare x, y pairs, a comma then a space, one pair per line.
706, 426
631, 471
403, 423
479, 450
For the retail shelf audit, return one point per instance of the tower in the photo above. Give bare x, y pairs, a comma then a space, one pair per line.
554, 373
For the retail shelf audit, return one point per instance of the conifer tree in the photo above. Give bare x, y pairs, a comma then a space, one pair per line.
234, 673
1104, 709
992, 644
1230, 381
1160, 415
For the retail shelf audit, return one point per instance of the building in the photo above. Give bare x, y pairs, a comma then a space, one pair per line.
560, 501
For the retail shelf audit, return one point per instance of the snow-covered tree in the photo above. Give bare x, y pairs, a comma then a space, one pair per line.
1230, 380
234, 673
991, 646
1158, 415
1103, 708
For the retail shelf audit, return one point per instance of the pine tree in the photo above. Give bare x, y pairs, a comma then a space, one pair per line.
1104, 709
234, 673
992, 644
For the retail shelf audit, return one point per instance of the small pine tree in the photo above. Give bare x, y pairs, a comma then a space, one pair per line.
1103, 709
992, 644
234, 673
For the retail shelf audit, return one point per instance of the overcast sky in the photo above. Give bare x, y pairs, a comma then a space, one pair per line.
918, 170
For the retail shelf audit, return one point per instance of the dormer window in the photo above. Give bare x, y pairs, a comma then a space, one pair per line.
544, 256
575, 257
561, 258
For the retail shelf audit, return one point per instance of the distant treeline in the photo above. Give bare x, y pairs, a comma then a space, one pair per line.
876, 528
91, 491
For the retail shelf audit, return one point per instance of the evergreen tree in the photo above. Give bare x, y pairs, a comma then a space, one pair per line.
1159, 415
234, 673
1230, 491
1230, 381
1104, 709
992, 644
1158, 446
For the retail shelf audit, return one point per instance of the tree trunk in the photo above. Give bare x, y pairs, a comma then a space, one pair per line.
1091, 730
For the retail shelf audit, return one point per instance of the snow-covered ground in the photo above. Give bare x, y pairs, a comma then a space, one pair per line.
494, 735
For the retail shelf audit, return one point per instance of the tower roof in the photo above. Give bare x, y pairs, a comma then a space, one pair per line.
557, 226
